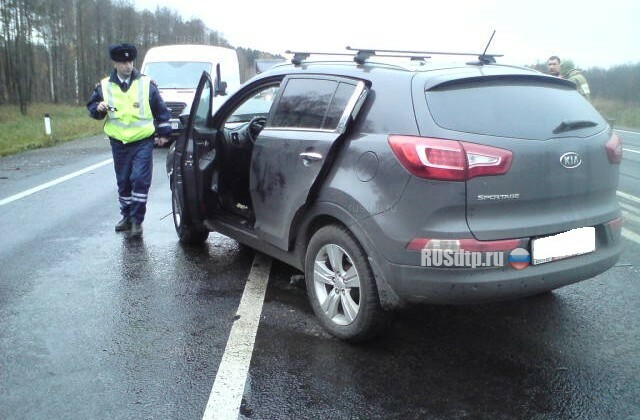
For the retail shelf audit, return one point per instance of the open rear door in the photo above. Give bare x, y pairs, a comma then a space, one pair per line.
296, 148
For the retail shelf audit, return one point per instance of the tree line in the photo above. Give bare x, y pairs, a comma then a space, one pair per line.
619, 83
56, 50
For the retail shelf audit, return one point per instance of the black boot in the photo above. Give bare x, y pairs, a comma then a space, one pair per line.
136, 230
123, 225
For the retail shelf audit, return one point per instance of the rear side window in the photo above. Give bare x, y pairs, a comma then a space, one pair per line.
338, 104
312, 104
510, 108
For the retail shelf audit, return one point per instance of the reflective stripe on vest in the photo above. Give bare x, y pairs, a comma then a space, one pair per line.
129, 118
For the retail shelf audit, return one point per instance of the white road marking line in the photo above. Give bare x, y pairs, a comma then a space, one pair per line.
54, 182
228, 387
631, 150
630, 217
626, 131
630, 209
628, 197
631, 235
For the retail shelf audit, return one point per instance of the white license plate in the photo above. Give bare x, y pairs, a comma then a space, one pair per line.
174, 125
563, 245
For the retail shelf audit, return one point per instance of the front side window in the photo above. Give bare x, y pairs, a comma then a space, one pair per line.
257, 105
204, 106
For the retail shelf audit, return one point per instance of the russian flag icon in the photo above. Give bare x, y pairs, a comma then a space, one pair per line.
519, 258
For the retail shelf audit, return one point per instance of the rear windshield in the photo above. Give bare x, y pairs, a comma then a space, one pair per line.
176, 74
513, 108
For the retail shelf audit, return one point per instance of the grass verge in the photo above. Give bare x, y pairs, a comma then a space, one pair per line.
623, 115
22, 132
19, 132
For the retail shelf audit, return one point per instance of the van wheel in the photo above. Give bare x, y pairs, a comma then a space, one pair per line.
187, 234
341, 287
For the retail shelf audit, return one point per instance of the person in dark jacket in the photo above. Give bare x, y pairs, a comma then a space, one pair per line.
566, 70
136, 118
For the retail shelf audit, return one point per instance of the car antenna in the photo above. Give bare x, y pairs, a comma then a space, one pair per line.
484, 58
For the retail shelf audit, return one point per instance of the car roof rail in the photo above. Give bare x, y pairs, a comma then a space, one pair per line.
360, 56
300, 56
363, 54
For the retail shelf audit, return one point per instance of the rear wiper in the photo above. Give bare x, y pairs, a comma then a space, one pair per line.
573, 125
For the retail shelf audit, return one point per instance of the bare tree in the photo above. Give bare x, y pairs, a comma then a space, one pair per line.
17, 25
56, 50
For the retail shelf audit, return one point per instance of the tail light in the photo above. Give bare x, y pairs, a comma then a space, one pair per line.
449, 160
471, 245
614, 149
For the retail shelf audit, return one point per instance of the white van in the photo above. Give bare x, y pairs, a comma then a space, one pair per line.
176, 69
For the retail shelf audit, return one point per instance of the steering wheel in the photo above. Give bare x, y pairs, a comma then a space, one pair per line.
256, 124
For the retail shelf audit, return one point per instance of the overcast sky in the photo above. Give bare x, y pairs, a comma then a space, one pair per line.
591, 33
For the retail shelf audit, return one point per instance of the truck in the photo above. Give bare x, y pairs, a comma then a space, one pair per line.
176, 70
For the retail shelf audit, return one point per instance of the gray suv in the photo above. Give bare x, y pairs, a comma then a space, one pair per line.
389, 183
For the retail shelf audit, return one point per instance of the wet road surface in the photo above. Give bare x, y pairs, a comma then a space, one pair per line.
98, 326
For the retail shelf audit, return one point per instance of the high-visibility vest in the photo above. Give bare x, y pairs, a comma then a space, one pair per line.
129, 116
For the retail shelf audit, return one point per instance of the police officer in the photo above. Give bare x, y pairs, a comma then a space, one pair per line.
134, 112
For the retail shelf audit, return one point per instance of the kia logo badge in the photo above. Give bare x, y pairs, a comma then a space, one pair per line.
570, 160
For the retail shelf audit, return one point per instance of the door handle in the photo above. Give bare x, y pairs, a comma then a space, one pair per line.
310, 156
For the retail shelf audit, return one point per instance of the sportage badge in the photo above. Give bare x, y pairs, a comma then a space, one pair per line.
570, 160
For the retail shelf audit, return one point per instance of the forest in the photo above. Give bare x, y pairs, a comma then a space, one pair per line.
55, 51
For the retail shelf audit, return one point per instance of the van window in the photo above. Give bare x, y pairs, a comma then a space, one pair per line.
176, 74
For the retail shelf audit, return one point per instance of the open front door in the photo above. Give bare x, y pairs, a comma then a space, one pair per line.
295, 150
186, 179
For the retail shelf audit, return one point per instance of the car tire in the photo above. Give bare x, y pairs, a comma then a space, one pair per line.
187, 233
341, 286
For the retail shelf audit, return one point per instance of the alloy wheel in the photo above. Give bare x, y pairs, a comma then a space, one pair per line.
337, 284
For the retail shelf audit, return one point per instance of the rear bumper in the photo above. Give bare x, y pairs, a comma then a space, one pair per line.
465, 285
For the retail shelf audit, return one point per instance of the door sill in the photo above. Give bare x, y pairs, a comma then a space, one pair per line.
232, 220
244, 233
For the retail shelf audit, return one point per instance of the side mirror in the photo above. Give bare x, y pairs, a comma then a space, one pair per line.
220, 87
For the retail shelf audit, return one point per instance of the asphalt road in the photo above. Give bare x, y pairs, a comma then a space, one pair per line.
97, 326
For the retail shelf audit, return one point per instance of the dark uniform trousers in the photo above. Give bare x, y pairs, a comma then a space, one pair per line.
133, 163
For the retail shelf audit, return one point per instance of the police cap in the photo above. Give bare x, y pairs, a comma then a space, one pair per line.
123, 52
